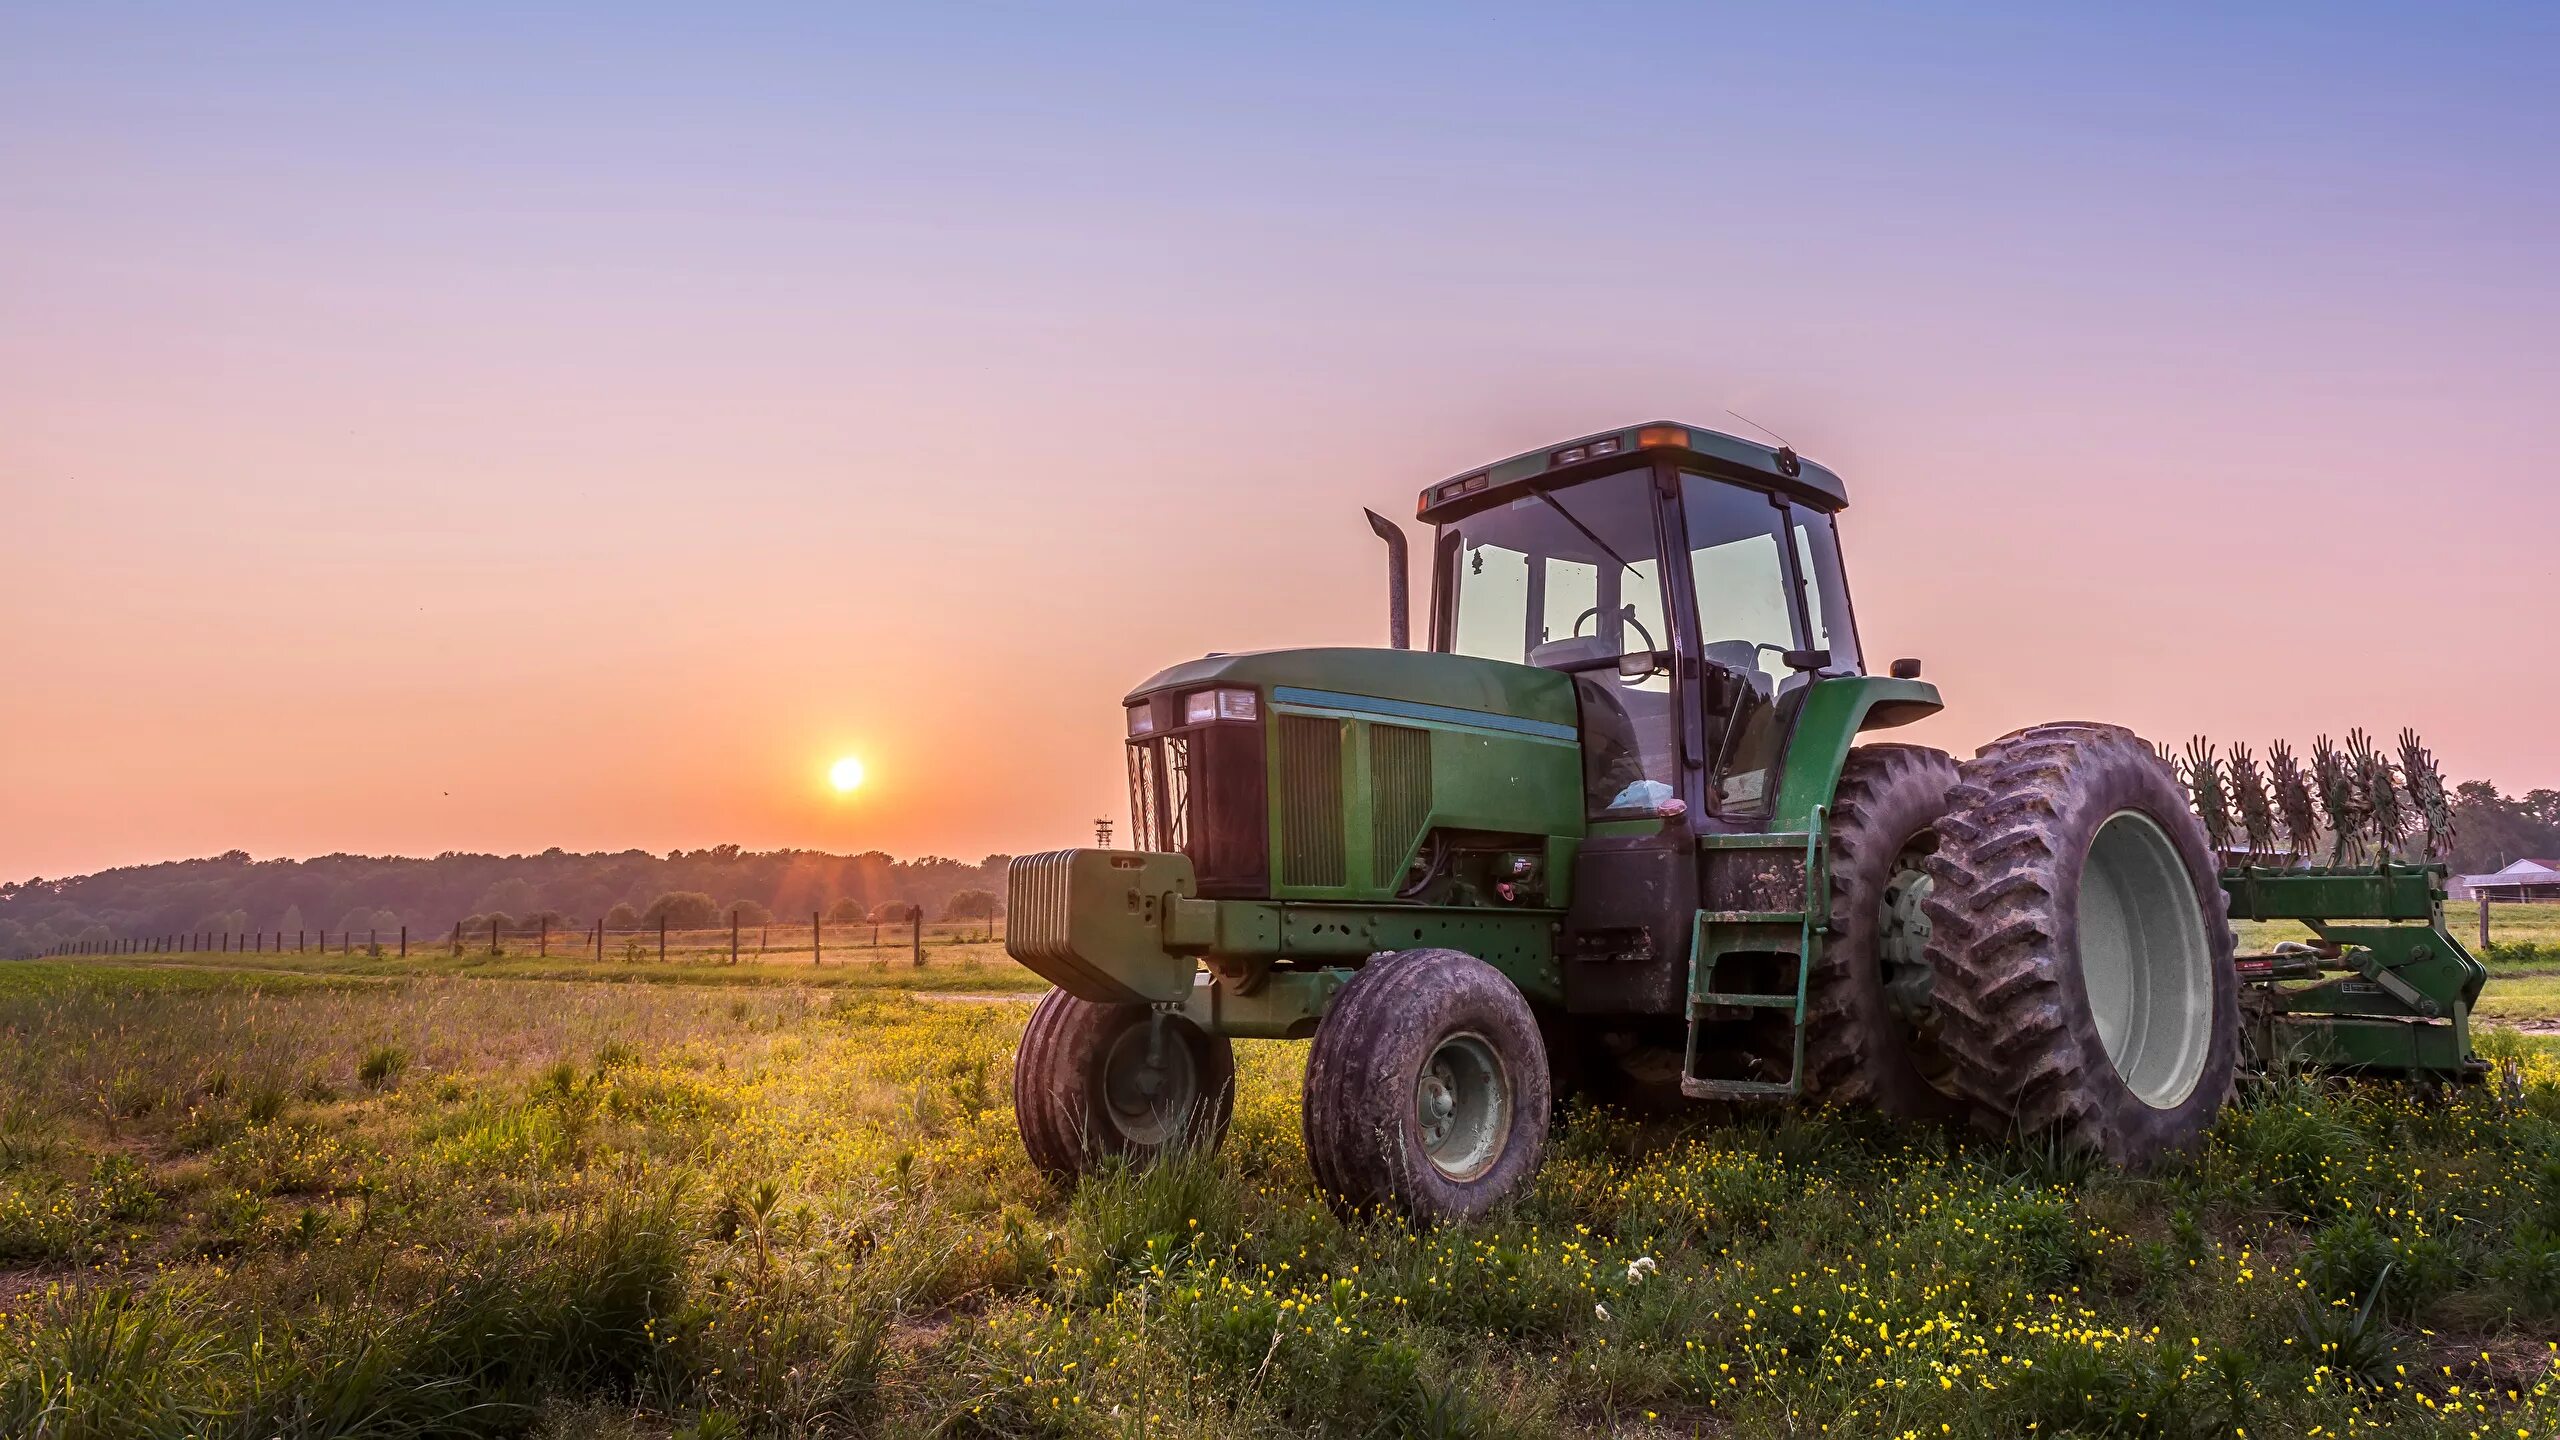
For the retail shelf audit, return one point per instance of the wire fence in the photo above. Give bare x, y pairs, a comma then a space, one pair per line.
816, 941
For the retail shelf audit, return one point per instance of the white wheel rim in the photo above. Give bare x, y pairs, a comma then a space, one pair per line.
2144, 961
1149, 1097
1462, 1104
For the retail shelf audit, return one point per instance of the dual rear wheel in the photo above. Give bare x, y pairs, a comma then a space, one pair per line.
2034, 941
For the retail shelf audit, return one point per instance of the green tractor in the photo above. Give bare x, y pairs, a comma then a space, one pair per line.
1616, 830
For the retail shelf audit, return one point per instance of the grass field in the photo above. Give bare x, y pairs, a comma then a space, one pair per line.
287, 1203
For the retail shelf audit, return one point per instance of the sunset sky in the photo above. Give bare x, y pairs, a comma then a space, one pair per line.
436, 428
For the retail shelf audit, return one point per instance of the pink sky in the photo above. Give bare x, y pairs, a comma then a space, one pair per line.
418, 458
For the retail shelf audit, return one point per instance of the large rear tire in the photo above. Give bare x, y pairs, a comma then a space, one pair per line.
1093, 1081
1427, 1089
2080, 947
1870, 1029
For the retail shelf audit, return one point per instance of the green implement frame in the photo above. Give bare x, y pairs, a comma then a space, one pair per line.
2383, 986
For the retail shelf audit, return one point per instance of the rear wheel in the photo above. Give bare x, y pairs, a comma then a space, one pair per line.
1427, 1089
1870, 1032
1092, 1081
2079, 945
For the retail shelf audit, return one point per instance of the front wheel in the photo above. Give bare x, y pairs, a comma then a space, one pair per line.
1092, 1081
1427, 1089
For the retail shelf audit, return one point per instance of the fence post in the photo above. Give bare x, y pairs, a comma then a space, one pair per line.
542, 947
457, 939
493, 937
599, 942
817, 939
404, 942
2484, 919
733, 934
372, 938
662, 939
915, 926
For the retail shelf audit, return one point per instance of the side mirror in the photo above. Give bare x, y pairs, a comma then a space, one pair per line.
1906, 669
1638, 664
1806, 659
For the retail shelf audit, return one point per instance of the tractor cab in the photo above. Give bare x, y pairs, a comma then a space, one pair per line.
1689, 582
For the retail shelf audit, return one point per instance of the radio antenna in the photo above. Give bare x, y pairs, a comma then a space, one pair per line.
1763, 429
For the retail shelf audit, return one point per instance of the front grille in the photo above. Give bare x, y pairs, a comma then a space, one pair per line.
1400, 776
1311, 801
1200, 792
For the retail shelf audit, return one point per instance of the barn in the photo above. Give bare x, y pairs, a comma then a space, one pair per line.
2524, 880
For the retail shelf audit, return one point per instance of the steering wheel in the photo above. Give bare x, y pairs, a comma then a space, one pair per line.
1626, 614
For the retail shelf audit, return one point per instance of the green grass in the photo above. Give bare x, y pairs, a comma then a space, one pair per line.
238, 1203
2520, 997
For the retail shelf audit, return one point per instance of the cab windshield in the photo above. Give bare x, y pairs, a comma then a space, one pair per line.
1555, 578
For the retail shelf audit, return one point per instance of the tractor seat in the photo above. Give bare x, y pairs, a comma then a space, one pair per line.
1742, 658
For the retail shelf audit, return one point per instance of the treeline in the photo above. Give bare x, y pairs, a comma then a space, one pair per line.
2492, 831
235, 894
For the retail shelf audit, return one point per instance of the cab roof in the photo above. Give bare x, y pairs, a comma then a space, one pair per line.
1710, 451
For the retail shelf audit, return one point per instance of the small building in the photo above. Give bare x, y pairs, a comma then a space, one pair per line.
2524, 880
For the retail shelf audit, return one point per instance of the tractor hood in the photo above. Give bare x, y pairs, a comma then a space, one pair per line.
1418, 685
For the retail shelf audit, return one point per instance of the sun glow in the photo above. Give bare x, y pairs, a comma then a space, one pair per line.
845, 774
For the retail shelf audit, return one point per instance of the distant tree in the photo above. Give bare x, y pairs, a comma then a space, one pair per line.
621, 917
2492, 830
513, 895
361, 919
848, 911
970, 905
748, 912
225, 922
499, 918
890, 912
291, 922
13, 940
683, 910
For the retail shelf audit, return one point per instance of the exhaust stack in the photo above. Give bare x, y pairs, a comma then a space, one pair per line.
1399, 587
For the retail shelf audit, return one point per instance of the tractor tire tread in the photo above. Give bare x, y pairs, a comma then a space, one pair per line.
2014, 1013
1857, 1052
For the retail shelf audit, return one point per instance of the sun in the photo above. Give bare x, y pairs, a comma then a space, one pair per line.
845, 774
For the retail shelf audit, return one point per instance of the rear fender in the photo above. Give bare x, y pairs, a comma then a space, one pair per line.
1828, 724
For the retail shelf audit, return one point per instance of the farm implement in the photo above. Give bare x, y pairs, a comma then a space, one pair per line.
2382, 986
1619, 828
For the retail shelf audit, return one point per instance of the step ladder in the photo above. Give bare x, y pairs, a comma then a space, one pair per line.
1716, 937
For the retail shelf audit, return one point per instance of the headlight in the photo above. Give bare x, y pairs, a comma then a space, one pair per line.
1204, 706
1142, 719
